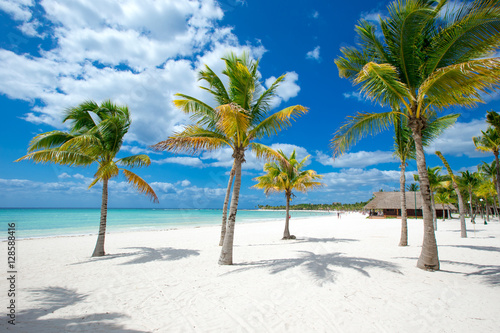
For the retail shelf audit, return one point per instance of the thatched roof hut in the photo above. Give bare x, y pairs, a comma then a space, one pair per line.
390, 204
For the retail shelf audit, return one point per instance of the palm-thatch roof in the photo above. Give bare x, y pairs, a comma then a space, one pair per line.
392, 200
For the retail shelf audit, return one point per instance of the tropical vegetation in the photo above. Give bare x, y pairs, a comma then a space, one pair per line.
241, 117
96, 136
287, 176
425, 59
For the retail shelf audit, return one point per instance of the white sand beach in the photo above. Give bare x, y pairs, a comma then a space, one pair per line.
344, 275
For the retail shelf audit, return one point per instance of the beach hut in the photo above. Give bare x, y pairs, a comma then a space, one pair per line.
388, 204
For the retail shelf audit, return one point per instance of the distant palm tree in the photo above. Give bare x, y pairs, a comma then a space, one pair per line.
490, 171
470, 181
490, 142
413, 187
287, 177
241, 118
426, 59
461, 206
96, 136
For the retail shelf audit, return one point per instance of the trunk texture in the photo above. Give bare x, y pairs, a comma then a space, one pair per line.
428, 259
286, 233
404, 223
224, 209
226, 254
434, 215
99, 246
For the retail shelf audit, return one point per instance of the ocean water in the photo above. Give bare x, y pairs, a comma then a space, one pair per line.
58, 222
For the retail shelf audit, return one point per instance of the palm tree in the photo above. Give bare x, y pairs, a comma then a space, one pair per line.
241, 117
96, 136
470, 181
287, 177
454, 182
426, 60
413, 187
490, 142
490, 171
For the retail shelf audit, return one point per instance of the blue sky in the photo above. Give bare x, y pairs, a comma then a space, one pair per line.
57, 53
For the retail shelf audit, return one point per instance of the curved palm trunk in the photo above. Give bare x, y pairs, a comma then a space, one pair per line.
428, 259
498, 177
286, 233
404, 223
99, 246
226, 254
461, 210
224, 209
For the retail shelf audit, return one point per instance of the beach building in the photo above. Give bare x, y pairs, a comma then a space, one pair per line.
388, 204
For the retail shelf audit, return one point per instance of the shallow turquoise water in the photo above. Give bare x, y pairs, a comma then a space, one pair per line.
55, 222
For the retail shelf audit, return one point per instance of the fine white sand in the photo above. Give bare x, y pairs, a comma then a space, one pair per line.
346, 275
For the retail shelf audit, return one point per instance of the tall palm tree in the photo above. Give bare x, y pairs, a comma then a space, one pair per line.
490, 142
426, 60
287, 177
241, 117
454, 182
404, 149
96, 136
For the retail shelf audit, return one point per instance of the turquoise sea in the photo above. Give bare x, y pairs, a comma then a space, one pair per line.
57, 222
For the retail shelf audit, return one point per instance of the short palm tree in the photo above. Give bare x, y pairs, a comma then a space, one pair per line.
287, 177
241, 117
489, 141
427, 59
461, 206
96, 136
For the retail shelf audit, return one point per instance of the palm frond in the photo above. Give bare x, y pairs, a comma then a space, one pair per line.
352, 62
473, 32
357, 127
106, 170
200, 112
51, 139
277, 121
192, 140
461, 84
381, 83
436, 126
263, 103
216, 87
234, 121
135, 161
54, 155
140, 185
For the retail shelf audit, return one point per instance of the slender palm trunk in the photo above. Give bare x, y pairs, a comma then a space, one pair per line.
487, 212
497, 182
286, 233
428, 259
99, 246
472, 214
226, 254
224, 209
434, 215
404, 224
461, 210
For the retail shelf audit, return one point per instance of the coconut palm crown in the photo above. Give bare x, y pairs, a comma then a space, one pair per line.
241, 117
96, 136
431, 55
287, 176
